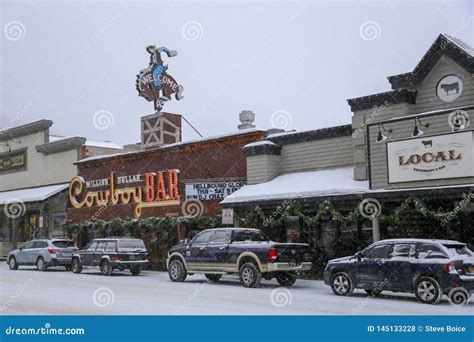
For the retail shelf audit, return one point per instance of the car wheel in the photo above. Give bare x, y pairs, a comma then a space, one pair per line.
40, 264
341, 284
250, 275
12, 263
427, 290
76, 265
176, 271
136, 270
213, 277
106, 268
373, 293
285, 278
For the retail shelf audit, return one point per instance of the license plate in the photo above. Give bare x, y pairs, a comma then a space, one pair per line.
131, 257
66, 253
293, 264
470, 268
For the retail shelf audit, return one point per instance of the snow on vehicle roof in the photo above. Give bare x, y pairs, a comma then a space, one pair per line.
407, 240
302, 184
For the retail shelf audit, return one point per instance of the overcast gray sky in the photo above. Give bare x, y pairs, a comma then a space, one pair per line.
302, 59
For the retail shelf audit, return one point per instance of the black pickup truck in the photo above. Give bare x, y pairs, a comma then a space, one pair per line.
219, 251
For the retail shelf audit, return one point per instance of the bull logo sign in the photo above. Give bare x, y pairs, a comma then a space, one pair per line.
449, 88
154, 83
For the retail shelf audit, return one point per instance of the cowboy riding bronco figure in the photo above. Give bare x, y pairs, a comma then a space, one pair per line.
154, 79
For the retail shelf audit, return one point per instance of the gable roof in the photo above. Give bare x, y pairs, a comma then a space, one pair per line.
456, 49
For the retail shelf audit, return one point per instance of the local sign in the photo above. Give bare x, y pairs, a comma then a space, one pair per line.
433, 157
160, 189
154, 83
208, 191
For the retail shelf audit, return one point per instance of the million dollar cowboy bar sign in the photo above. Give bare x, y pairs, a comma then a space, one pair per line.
432, 157
159, 189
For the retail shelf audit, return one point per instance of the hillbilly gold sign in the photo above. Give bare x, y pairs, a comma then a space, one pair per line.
154, 83
155, 193
436, 157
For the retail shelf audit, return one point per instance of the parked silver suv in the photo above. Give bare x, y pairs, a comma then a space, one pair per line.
43, 253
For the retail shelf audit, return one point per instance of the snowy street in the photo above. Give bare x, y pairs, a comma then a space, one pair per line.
57, 292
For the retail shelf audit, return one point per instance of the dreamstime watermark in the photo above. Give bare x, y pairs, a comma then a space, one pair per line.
14, 30
191, 298
370, 30
458, 119
103, 119
287, 202
375, 292
458, 209
14, 208
102, 297
459, 29
192, 208
281, 297
376, 111
281, 119
458, 296
106, 27
18, 293
192, 30
370, 208
46, 330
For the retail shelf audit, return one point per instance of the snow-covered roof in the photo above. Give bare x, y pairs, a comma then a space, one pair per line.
103, 144
302, 184
31, 194
461, 44
182, 143
260, 143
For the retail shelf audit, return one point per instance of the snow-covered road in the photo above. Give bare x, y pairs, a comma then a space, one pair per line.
57, 292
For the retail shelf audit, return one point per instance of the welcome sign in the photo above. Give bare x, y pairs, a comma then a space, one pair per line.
433, 157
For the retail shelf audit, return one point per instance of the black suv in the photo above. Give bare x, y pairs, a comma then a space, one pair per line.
112, 253
429, 268
248, 252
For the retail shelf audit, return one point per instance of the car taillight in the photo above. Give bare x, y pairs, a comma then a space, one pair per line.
117, 257
449, 267
52, 251
272, 254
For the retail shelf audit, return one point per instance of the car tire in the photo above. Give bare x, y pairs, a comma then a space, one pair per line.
106, 268
40, 264
342, 284
12, 263
214, 278
427, 290
135, 270
250, 275
176, 271
285, 278
76, 265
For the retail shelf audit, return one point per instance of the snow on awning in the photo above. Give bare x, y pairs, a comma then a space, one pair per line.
31, 194
302, 184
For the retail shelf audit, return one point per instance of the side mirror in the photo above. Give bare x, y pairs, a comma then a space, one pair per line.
187, 241
358, 256
20, 249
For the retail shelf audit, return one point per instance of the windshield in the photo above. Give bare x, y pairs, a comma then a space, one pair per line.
63, 243
131, 244
248, 235
456, 250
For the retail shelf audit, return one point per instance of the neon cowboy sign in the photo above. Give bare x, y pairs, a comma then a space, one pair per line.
155, 193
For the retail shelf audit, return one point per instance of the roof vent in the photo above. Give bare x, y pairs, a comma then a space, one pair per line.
246, 117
